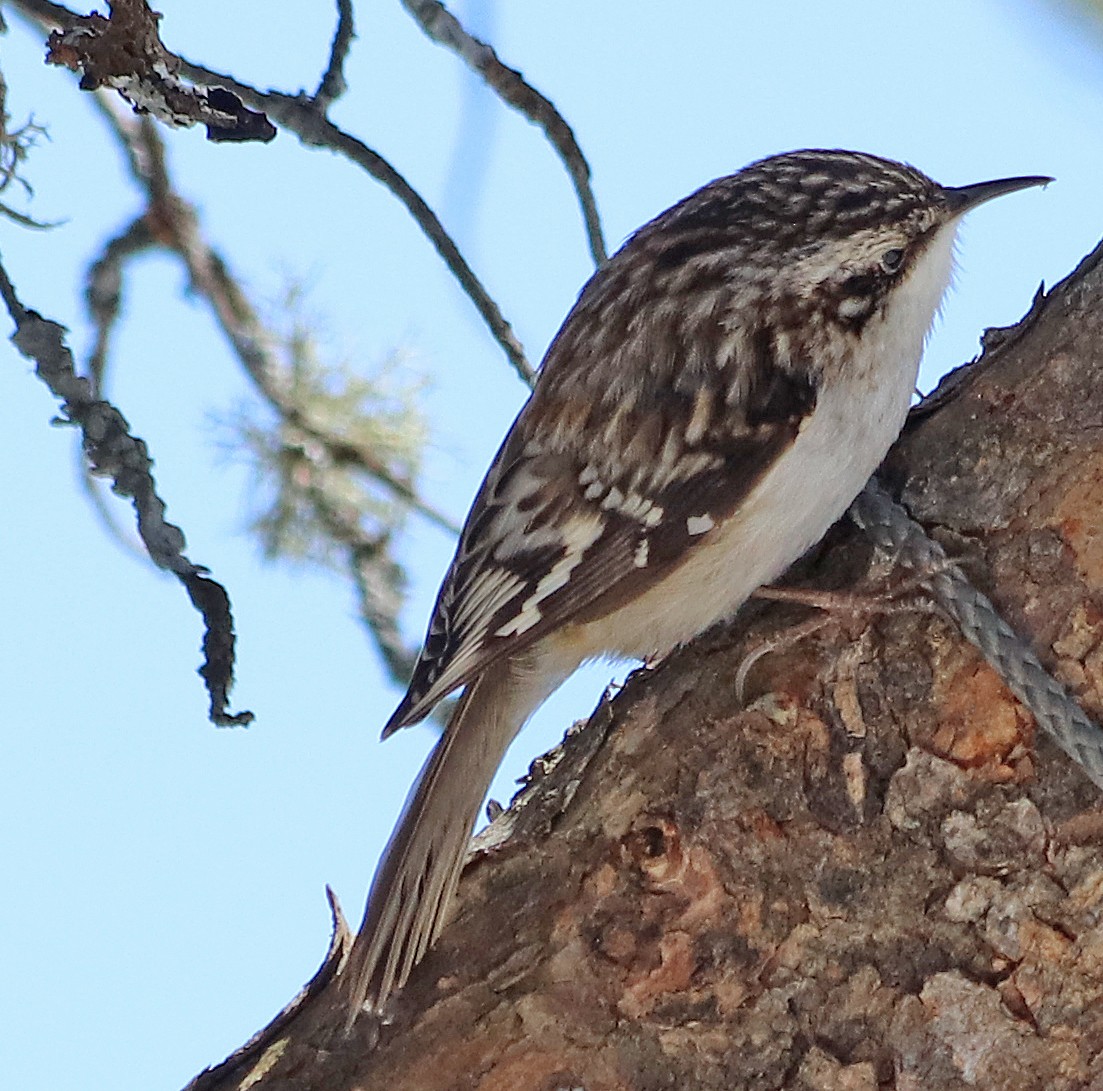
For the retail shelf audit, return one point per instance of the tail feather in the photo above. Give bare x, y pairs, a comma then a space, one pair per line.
417, 877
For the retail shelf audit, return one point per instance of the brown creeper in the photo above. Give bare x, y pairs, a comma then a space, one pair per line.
721, 391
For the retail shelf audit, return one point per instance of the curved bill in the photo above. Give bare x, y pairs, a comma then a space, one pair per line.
963, 198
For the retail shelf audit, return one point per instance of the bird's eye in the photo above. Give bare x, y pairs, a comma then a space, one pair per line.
891, 260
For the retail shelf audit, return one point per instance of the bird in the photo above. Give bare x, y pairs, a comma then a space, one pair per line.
721, 390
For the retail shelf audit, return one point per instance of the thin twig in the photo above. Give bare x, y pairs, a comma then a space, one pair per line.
114, 452
333, 84
379, 582
340, 451
297, 114
15, 144
243, 329
103, 291
103, 299
443, 27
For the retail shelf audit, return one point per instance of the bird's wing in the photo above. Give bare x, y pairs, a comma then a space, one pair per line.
597, 493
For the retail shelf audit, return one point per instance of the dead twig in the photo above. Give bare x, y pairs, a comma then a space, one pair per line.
113, 452
125, 53
514, 90
333, 83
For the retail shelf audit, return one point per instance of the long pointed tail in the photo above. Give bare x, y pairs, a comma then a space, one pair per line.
421, 865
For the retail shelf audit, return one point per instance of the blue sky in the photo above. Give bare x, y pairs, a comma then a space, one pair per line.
163, 880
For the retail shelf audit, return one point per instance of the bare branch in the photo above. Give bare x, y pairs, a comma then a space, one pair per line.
333, 83
113, 452
103, 300
297, 114
379, 583
125, 53
300, 114
512, 87
103, 291
211, 277
107, 513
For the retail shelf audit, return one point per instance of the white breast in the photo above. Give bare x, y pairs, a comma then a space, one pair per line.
856, 420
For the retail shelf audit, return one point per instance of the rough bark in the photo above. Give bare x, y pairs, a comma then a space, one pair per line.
870, 874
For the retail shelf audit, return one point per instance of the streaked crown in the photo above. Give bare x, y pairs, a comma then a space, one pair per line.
806, 196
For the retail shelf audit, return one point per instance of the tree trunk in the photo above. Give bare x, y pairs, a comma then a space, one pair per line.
869, 873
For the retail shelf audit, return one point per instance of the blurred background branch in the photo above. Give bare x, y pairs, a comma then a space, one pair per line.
334, 447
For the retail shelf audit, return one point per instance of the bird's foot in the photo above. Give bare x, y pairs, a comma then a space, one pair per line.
896, 596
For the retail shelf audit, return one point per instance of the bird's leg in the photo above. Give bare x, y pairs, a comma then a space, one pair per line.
884, 600
892, 598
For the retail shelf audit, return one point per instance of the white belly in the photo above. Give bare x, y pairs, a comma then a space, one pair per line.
789, 511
